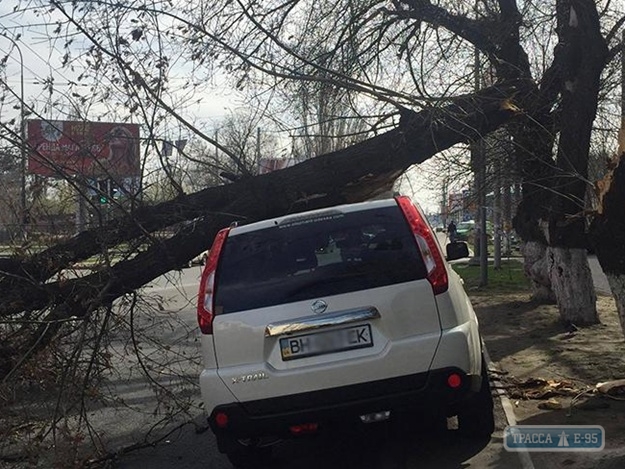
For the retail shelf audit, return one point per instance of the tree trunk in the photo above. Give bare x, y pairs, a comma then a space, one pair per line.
533, 141
497, 214
537, 270
572, 284
607, 230
583, 57
617, 285
564, 105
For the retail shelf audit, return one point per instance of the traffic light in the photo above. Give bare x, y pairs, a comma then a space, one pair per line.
104, 191
114, 190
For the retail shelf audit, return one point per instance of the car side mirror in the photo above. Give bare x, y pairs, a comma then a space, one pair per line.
457, 250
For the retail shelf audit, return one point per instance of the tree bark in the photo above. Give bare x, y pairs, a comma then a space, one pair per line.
572, 283
537, 270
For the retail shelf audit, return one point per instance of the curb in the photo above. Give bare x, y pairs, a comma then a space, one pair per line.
508, 410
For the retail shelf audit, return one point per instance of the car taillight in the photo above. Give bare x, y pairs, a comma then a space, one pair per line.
205, 307
222, 419
304, 428
454, 381
436, 272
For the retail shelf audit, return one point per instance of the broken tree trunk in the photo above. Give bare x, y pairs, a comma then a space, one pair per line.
607, 231
584, 54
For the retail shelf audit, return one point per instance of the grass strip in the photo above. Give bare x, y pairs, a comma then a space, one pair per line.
509, 279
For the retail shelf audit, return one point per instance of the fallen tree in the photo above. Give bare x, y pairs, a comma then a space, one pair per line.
356, 173
37, 305
562, 102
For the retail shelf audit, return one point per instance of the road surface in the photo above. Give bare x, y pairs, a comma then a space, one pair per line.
380, 446
376, 447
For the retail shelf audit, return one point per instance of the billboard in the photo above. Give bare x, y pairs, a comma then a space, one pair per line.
83, 148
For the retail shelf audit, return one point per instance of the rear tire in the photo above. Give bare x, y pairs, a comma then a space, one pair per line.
477, 417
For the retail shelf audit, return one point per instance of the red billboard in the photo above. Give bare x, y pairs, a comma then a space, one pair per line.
84, 148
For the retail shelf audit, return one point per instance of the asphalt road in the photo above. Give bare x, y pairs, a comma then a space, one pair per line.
192, 446
377, 447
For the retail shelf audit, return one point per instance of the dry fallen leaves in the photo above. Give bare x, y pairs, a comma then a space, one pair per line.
538, 388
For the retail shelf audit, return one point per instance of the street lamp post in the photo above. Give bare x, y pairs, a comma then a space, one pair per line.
22, 138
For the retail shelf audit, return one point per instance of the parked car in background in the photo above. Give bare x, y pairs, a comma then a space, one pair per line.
466, 230
342, 316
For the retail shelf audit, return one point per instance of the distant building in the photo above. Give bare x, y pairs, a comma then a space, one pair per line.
267, 165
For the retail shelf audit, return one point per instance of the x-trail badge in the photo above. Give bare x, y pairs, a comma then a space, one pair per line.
319, 306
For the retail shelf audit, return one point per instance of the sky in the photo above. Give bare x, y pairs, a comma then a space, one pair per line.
41, 59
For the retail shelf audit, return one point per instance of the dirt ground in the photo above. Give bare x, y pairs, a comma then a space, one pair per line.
550, 373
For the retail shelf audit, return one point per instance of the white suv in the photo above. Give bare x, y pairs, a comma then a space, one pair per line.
346, 314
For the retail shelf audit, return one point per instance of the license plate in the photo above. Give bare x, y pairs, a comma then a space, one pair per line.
320, 343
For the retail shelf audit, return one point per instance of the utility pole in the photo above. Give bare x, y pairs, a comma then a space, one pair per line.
23, 217
217, 146
621, 133
478, 161
506, 183
81, 185
444, 202
497, 212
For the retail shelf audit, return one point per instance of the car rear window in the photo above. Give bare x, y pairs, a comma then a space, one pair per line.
311, 256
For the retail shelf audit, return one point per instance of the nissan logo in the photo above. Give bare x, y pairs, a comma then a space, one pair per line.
319, 306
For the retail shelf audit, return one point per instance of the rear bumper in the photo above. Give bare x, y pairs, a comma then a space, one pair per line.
426, 392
